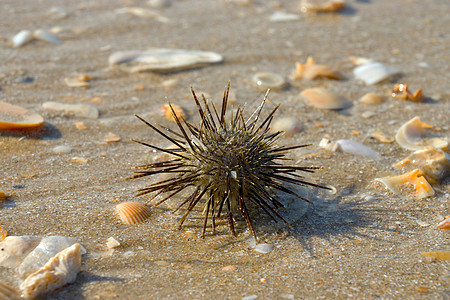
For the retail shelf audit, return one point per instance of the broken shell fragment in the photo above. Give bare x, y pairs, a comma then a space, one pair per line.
401, 92
15, 248
81, 80
112, 138
356, 148
112, 243
163, 60
132, 212
321, 6
415, 178
381, 137
373, 72
412, 136
266, 80
324, 99
16, 117
311, 71
178, 110
288, 125
434, 163
444, 224
371, 98
57, 272
46, 36
78, 110
143, 13
21, 38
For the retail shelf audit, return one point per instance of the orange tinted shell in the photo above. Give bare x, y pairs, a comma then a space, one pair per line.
132, 212
16, 117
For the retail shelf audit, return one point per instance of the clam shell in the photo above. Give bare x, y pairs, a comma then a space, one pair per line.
373, 72
21, 38
16, 117
132, 212
372, 98
324, 99
163, 60
57, 272
412, 136
266, 80
46, 36
415, 178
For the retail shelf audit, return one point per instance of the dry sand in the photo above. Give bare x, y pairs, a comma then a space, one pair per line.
361, 242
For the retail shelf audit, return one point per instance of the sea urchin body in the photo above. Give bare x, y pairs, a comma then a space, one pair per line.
228, 165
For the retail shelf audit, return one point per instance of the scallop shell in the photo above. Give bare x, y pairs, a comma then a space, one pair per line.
163, 60
434, 163
372, 98
412, 136
415, 178
57, 272
21, 38
311, 71
16, 117
324, 99
373, 72
132, 212
266, 80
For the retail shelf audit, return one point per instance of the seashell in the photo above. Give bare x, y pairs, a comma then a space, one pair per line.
57, 272
179, 111
380, 136
267, 80
287, 125
411, 136
311, 71
441, 255
401, 92
372, 98
143, 13
112, 138
357, 60
434, 163
264, 248
16, 117
321, 6
415, 178
47, 248
62, 149
280, 16
80, 125
78, 110
8, 293
112, 243
324, 99
21, 38
229, 268
374, 72
163, 60
78, 81
352, 147
445, 224
15, 248
132, 212
46, 36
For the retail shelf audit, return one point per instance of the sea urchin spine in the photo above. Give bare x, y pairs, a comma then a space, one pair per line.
228, 164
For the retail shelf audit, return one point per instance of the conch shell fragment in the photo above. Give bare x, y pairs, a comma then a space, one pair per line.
412, 136
415, 178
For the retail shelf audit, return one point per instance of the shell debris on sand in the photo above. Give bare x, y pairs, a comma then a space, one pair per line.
25, 36
169, 109
143, 13
131, 213
401, 92
415, 178
311, 71
412, 136
163, 60
348, 146
445, 224
57, 272
111, 138
80, 80
372, 98
77, 110
267, 80
321, 6
15, 249
374, 72
324, 99
112, 243
16, 117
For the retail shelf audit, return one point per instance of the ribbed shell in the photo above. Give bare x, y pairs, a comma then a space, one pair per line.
132, 212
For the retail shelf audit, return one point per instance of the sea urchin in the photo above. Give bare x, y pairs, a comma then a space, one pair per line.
231, 165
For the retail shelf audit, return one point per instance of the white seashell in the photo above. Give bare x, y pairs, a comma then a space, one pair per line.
21, 38
412, 136
280, 16
163, 60
267, 80
78, 110
15, 248
62, 149
324, 99
264, 248
47, 248
46, 36
396, 184
16, 117
57, 272
288, 125
374, 72
352, 147
112, 243
132, 212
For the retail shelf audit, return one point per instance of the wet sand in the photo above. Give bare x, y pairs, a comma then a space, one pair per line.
362, 242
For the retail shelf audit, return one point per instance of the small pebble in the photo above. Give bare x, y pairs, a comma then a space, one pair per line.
264, 248
112, 138
62, 149
267, 80
112, 243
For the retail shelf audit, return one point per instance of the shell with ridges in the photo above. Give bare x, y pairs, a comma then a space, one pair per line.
132, 212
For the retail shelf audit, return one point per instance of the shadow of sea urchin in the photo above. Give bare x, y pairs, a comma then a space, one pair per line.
227, 164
